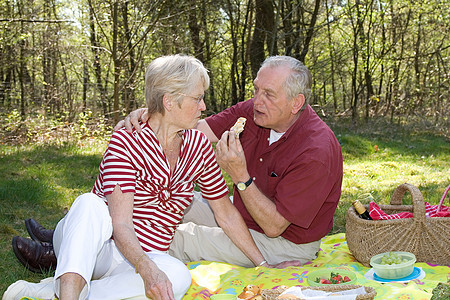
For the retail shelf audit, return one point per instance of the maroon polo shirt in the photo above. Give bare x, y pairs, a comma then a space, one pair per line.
301, 172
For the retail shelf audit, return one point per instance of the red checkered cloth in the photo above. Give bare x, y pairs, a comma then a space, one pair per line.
376, 213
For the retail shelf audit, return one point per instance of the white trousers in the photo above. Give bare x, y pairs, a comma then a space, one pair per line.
83, 245
200, 238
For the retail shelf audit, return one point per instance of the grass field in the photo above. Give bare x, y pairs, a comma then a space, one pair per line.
41, 180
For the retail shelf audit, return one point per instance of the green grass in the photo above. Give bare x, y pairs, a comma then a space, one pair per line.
378, 158
41, 180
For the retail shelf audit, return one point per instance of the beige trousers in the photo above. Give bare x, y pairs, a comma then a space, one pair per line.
200, 238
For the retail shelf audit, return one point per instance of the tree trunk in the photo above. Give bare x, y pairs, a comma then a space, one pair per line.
245, 48
46, 73
355, 50
212, 91
382, 65
263, 16
195, 31
95, 46
234, 58
22, 80
310, 31
128, 91
287, 16
332, 58
85, 85
116, 61
365, 40
417, 69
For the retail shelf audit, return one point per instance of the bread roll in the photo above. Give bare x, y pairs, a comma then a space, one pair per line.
238, 127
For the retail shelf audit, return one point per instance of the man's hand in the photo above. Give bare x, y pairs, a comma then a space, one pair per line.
231, 158
285, 264
132, 120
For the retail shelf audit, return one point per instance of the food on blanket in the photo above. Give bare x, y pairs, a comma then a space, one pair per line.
251, 292
325, 276
335, 278
395, 270
441, 291
392, 258
238, 127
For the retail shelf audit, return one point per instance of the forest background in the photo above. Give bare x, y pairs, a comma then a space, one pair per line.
65, 60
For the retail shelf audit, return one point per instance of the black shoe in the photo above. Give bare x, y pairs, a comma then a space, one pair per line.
35, 256
37, 232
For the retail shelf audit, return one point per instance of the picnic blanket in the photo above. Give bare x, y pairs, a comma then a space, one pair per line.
210, 278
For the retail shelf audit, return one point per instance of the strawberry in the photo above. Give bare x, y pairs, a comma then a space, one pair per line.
335, 278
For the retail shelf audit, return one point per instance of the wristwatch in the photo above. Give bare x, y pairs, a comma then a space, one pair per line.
242, 186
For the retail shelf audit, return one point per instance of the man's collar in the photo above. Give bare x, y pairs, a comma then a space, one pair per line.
303, 115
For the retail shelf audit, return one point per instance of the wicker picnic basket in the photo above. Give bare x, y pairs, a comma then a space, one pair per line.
428, 238
273, 294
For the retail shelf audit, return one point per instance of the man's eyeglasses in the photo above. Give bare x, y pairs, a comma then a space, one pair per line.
197, 99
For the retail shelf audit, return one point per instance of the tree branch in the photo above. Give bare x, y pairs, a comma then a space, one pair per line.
35, 21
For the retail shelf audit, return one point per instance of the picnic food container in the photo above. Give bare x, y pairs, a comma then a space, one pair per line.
427, 238
326, 274
273, 294
394, 271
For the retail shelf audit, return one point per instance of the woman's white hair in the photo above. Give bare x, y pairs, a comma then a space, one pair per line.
172, 74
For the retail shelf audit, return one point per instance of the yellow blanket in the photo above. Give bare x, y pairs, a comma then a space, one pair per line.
213, 277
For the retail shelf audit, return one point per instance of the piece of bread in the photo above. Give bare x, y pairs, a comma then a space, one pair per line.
238, 127
251, 292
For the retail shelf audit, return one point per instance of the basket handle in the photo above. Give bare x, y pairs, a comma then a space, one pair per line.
417, 199
443, 198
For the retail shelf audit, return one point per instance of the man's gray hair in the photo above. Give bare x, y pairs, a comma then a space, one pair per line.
172, 74
299, 81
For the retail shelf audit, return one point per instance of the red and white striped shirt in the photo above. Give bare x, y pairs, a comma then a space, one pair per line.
136, 162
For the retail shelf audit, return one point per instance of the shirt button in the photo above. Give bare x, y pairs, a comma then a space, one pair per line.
260, 159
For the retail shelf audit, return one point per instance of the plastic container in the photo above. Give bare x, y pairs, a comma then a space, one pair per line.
394, 271
326, 274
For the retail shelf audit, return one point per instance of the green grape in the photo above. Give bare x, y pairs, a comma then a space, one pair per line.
392, 258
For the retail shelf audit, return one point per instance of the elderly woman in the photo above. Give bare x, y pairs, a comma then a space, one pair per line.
113, 242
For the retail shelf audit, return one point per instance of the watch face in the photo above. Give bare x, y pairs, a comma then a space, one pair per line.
241, 186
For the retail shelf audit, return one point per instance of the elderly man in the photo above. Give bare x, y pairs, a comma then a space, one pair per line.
286, 167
